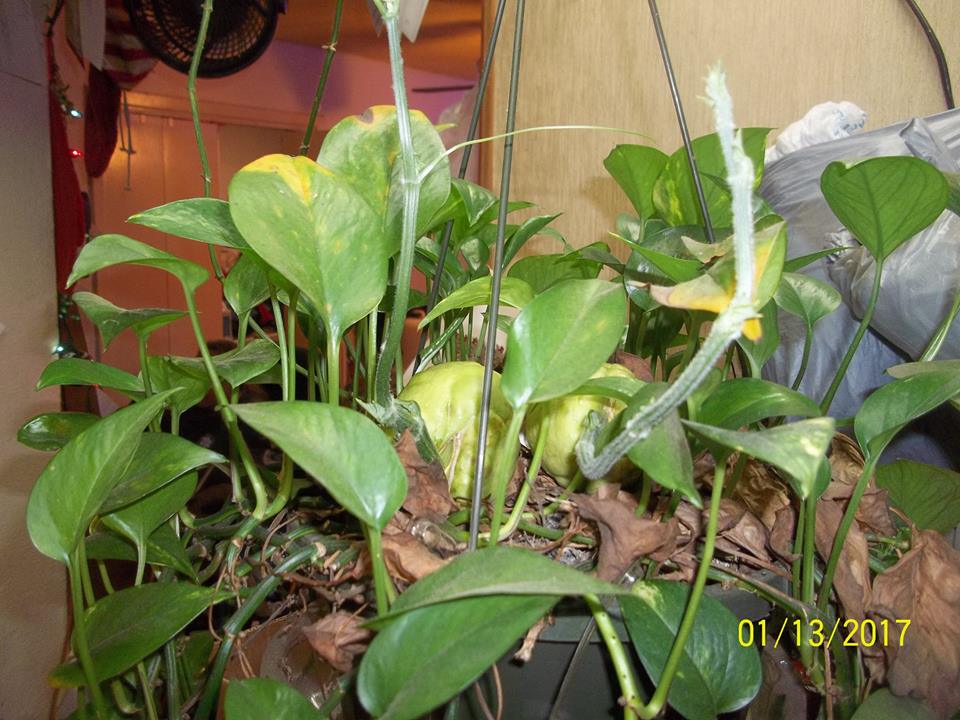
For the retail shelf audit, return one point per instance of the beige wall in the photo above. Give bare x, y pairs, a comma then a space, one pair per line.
597, 62
32, 588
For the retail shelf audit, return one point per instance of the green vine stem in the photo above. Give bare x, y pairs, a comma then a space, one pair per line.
333, 367
936, 342
239, 619
331, 50
80, 646
173, 681
503, 470
855, 343
728, 325
629, 692
805, 358
381, 578
145, 685
229, 419
207, 11
659, 699
826, 585
411, 203
808, 561
516, 513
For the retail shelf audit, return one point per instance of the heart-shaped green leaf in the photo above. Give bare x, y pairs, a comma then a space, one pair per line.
760, 351
513, 292
796, 448
716, 674
205, 220
884, 201
189, 386
615, 387
410, 667
560, 339
163, 548
518, 238
75, 371
259, 698
51, 431
125, 627
636, 169
364, 150
674, 195
677, 269
476, 199
808, 298
73, 486
159, 459
341, 449
317, 231
927, 494
744, 401
246, 285
137, 521
236, 366
499, 570
108, 250
884, 705
112, 320
542, 272
797, 264
664, 454
889, 409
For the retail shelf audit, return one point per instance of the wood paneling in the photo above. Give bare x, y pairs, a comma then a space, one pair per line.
597, 62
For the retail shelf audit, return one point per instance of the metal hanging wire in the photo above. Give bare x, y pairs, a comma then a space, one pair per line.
493, 308
464, 164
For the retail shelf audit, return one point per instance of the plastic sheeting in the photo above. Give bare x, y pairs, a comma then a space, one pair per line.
919, 283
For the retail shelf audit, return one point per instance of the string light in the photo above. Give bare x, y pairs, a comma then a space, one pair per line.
76, 153
74, 113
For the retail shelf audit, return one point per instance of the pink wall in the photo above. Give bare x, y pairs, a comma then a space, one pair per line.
285, 78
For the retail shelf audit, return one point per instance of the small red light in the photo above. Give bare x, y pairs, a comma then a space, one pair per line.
74, 153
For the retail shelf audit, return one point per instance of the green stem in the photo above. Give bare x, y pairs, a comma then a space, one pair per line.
796, 568
229, 419
573, 486
849, 514
281, 344
331, 50
936, 342
292, 346
312, 379
241, 617
381, 578
646, 487
503, 469
173, 681
207, 11
659, 699
516, 512
737, 474
370, 354
630, 694
147, 689
693, 339
553, 533
85, 580
807, 344
411, 202
144, 368
864, 324
80, 646
806, 578
333, 367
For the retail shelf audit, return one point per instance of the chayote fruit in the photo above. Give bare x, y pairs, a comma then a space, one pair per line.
449, 399
568, 418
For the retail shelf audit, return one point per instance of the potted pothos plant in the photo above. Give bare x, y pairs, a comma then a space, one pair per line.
631, 455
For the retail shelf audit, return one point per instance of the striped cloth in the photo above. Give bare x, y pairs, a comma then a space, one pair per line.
125, 59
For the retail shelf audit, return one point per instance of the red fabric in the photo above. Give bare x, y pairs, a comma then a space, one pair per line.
125, 59
101, 114
69, 223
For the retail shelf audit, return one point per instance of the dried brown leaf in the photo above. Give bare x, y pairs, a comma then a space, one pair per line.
407, 557
742, 528
923, 587
635, 364
846, 464
530, 640
781, 534
852, 581
428, 492
624, 537
762, 492
338, 638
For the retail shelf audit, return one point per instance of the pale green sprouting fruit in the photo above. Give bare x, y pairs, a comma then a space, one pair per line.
449, 399
568, 419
